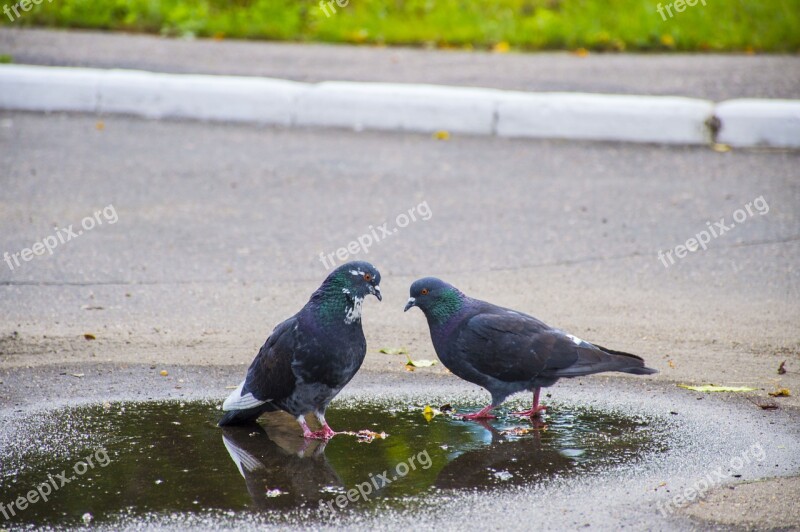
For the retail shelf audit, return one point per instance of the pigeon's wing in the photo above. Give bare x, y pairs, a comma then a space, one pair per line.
513, 347
270, 377
506, 345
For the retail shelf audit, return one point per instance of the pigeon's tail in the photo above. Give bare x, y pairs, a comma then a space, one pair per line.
248, 415
599, 359
629, 363
625, 362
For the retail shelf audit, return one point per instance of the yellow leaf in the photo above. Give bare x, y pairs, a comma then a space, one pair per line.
668, 40
721, 148
89, 336
163, 373
783, 392
442, 135
393, 350
715, 388
429, 413
419, 363
501, 48
100, 125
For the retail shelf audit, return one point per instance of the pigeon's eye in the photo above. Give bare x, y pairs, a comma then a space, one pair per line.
424, 292
367, 277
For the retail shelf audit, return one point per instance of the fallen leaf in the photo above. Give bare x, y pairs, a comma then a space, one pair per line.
721, 148
782, 368
89, 336
442, 135
765, 404
429, 413
783, 392
715, 388
501, 48
163, 373
366, 435
581, 52
419, 363
671, 364
100, 126
393, 350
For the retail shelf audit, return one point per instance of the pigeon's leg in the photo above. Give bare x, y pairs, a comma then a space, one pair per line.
535, 409
482, 414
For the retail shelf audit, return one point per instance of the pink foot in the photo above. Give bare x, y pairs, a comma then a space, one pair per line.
533, 412
482, 414
535, 408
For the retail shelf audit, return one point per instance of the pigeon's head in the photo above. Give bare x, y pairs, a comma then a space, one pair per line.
357, 279
436, 298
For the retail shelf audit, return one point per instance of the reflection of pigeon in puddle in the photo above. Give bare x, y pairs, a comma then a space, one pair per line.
281, 470
506, 461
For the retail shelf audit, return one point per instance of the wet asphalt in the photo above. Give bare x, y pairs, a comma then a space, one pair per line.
701, 445
218, 238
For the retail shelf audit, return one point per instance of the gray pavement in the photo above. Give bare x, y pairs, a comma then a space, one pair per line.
219, 230
711, 76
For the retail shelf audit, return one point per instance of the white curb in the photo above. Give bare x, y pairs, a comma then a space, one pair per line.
749, 122
399, 107
669, 120
396, 107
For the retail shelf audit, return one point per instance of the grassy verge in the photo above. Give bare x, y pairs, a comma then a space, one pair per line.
614, 25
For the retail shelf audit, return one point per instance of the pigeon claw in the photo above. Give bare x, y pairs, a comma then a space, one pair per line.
482, 414
533, 412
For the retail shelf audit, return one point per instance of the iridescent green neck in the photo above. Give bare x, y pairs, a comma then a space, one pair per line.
447, 306
334, 300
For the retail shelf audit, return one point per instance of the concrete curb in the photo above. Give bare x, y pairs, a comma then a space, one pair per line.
399, 107
749, 122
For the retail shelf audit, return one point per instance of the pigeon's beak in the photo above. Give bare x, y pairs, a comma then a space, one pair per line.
411, 303
376, 290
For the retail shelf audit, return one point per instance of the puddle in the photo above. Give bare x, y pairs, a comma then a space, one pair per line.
166, 457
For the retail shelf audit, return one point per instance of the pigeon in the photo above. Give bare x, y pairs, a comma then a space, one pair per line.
506, 351
310, 357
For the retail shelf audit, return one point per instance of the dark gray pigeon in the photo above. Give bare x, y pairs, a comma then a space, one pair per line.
311, 356
506, 351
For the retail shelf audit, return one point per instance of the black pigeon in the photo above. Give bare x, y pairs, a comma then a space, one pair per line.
311, 356
506, 351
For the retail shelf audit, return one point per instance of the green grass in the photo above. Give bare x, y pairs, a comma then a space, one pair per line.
608, 25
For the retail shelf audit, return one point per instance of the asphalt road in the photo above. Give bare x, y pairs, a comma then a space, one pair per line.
218, 230
712, 76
